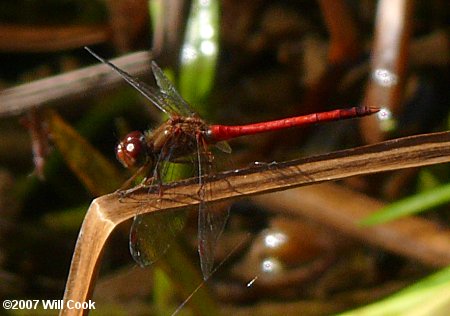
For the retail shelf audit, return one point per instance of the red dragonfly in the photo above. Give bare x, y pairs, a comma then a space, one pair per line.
185, 136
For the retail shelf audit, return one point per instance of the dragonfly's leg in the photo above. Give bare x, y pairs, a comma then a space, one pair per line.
158, 178
128, 185
123, 193
147, 181
160, 190
205, 161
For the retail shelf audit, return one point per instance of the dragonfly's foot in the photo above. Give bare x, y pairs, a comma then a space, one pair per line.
160, 190
125, 191
147, 181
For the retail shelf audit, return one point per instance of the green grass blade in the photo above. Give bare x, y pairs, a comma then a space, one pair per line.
195, 83
430, 296
98, 174
199, 52
409, 206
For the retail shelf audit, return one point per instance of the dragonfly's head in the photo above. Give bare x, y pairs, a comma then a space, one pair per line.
131, 149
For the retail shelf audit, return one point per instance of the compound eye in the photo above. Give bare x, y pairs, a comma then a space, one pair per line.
130, 149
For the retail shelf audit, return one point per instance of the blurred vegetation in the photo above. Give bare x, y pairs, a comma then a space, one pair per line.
272, 60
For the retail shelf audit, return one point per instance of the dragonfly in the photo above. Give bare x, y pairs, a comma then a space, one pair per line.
186, 137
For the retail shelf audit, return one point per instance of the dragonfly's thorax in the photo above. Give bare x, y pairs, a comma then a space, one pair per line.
177, 137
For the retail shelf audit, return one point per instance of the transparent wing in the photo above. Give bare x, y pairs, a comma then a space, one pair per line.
159, 99
152, 234
172, 98
211, 222
211, 218
224, 147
